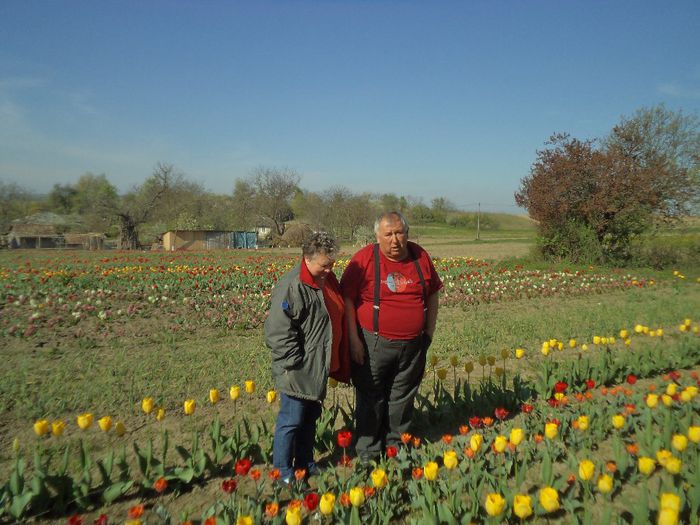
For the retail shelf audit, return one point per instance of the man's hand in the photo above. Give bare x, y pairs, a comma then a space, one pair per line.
357, 351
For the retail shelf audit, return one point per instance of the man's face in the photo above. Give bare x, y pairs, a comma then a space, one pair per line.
392, 239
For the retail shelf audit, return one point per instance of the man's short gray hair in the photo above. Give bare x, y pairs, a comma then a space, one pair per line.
391, 215
320, 243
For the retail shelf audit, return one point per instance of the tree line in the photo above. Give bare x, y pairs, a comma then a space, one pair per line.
166, 200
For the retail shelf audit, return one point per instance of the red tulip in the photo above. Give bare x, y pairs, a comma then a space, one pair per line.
344, 438
391, 451
311, 501
243, 466
475, 422
590, 384
527, 408
501, 413
631, 379
229, 485
560, 387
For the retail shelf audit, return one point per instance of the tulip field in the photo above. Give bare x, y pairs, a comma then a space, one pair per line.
136, 389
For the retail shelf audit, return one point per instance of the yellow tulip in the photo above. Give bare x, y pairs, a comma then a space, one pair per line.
189, 406
449, 459
679, 442
583, 423
234, 392
551, 430
667, 400
357, 496
646, 465
673, 465
584, 347
516, 436
596, 339
84, 420
572, 343
505, 353
671, 389
652, 400
469, 367
685, 396
491, 360
160, 414
244, 520
662, 456
442, 374
500, 444
604, 341
667, 517
213, 396
57, 427
522, 506
669, 509
249, 386
549, 499
623, 334
430, 470
638, 328
105, 423
618, 421
326, 504
293, 516
454, 361
475, 442
694, 434
545, 349
668, 500
433, 360
379, 478
271, 396
499, 371
119, 428
147, 404
494, 504
519, 353
605, 484
586, 469
41, 427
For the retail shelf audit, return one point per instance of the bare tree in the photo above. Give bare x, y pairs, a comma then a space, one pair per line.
139, 205
270, 192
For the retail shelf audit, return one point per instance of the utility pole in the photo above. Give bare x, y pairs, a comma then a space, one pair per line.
478, 220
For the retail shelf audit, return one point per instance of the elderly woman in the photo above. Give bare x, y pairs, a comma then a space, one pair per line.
306, 333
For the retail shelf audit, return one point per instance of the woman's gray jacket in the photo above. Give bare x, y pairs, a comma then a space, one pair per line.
299, 334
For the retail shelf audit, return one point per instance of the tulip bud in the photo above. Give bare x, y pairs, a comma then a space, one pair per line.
235, 392
213, 396
105, 423
271, 396
189, 406
249, 386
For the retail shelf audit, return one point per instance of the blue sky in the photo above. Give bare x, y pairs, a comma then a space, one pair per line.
423, 99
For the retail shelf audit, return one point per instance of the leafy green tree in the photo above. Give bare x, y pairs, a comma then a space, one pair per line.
95, 200
646, 171
15, 203
62, 199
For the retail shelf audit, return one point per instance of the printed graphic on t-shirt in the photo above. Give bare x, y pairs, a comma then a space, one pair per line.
397, 282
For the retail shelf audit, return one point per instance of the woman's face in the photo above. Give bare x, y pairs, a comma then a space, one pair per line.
319, 265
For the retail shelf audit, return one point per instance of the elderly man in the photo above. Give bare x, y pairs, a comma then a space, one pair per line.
391, 295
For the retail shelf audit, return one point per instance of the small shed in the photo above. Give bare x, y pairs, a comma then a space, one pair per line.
208, 240
34, 236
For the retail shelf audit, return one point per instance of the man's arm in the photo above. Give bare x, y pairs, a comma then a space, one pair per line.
432, 313
357, 349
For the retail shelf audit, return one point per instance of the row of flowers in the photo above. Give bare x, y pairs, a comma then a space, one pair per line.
188, 290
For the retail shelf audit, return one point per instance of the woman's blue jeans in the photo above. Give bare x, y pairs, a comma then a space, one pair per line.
295, 434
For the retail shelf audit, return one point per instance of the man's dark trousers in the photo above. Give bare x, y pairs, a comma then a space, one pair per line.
386, 386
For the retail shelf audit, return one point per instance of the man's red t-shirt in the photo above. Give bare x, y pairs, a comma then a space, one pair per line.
401, 314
